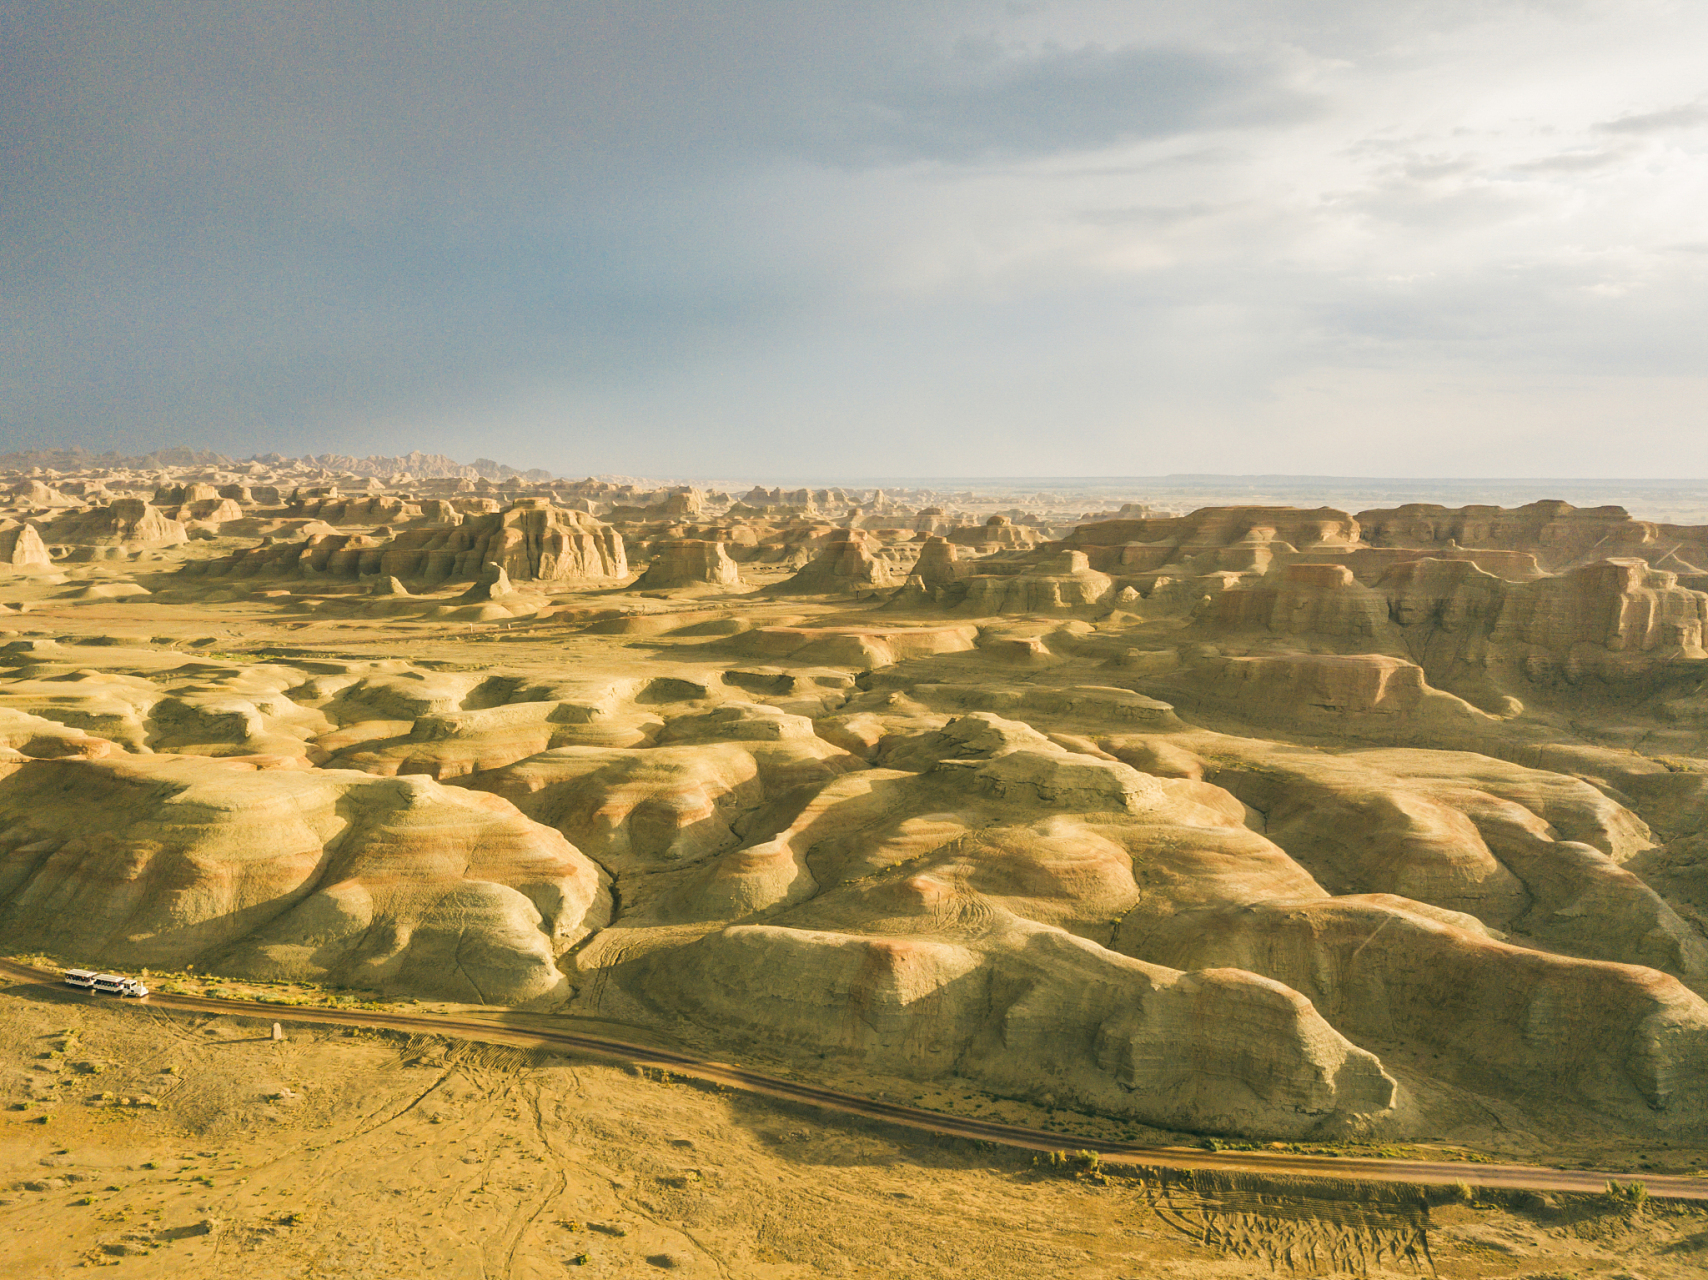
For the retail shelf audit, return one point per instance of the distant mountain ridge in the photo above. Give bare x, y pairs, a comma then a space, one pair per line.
426, 466
77, 458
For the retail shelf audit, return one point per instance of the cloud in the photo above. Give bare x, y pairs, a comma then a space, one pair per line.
1573, 162
1152, 215
1687, 116
996, 104
1437, 206
632, 234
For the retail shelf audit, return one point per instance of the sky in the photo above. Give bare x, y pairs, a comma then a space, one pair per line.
792, 239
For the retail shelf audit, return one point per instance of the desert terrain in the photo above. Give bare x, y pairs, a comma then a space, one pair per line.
1290, 827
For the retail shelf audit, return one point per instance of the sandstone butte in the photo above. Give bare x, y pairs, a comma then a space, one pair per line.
1263, 822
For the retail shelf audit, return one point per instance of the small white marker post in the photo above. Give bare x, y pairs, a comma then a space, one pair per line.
278, 1032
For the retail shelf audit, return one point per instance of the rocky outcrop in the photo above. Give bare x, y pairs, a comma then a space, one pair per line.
40, 738
372, 509
321, 552
208, 512
21, 547
898, 921
1366, 694
940, 563
689, 562
1237, 538
1035, 1010
179, 495
862, 648
802, 501
493, 584
1568, 844
33, 493
399, 884
1523, 851
1614, 617
1456, 597
844, 563
532, 541
635, 811
1560, 534
937, 577
1056, 582
999, 533
128, 522
1615, 1038
1323, 599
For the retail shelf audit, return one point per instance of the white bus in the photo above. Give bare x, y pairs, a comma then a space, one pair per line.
111, 984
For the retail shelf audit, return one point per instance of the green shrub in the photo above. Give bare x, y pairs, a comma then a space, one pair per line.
1631, 1195
1088, 1162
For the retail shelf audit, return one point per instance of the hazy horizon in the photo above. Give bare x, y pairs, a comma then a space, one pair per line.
857, 479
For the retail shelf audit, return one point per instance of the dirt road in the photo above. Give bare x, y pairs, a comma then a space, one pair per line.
1273, 1163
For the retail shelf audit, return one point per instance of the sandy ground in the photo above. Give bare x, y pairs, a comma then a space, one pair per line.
359, 1155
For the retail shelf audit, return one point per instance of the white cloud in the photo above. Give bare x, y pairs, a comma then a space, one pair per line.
1688, 116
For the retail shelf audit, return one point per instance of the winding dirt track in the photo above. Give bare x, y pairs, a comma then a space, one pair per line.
1271, 1163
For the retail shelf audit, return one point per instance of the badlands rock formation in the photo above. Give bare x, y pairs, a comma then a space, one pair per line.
1284, 823
321, 874
123, 523
844, 563
685, 562
21, 546
531, 540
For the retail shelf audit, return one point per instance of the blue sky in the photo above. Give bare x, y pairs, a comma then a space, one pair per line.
785, 239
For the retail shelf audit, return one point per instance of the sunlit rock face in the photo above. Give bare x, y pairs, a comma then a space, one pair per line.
126, 522
292, 873
531, 541
844, 563
688, 562
1614, 616
21, 547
